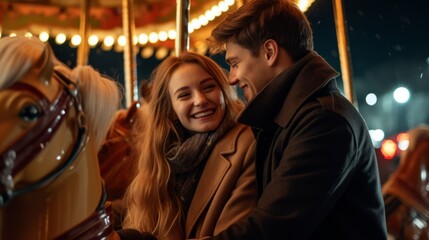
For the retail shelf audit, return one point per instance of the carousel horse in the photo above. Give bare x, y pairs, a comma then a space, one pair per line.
117, 165
116, 158
406, 192
53, 121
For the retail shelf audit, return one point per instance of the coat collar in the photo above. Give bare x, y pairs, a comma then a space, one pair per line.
216, 167
287, 92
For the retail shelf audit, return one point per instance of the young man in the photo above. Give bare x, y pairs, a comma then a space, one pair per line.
316, 166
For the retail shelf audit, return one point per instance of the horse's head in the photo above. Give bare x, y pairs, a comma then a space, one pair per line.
413, 169
414, 162
406, 193
34, 105
50, 116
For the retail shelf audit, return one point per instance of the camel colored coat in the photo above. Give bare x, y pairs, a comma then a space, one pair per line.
227, 189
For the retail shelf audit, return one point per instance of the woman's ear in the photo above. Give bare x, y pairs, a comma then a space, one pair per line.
271, 50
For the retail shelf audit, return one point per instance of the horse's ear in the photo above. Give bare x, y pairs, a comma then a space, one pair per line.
44, 65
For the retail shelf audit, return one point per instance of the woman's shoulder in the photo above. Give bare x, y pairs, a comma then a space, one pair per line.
242, 135
238, 145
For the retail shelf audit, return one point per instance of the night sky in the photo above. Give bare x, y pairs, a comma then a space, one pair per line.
389, 48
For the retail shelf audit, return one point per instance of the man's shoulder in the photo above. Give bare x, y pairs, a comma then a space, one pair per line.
340, 105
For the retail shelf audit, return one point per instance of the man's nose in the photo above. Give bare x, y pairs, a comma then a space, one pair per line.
232, 78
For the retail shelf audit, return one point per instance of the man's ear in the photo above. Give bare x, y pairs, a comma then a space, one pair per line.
271, 49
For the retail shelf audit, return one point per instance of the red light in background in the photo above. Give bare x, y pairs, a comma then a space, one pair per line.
388, 149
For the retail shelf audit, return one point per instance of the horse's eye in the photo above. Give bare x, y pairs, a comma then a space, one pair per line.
30, 113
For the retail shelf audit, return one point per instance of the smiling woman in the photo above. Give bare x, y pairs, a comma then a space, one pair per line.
197, 99
196, 173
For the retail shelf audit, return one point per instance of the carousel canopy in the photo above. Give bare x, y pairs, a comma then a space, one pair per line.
152, 23
154, 20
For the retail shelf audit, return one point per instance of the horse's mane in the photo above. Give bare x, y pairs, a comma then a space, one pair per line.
17, 55
100, 95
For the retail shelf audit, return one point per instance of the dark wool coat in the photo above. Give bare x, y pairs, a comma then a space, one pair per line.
316, 167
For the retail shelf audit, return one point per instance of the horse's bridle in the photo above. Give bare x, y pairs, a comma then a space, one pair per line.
20, 153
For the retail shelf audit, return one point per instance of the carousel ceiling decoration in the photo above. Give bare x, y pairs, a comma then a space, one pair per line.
119, 24
154, 20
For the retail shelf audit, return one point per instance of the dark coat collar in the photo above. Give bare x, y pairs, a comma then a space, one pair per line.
287, 92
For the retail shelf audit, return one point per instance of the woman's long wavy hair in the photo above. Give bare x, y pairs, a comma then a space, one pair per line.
152, 204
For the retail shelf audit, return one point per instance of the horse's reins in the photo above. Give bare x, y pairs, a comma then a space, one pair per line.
21, 152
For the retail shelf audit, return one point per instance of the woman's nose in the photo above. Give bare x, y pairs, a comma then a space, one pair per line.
199, 99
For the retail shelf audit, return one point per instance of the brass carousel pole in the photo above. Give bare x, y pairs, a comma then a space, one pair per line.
344, 51
182, 20
82, 54
130, 66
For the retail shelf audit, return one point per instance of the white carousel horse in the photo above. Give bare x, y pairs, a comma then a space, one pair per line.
53, 121
406, 192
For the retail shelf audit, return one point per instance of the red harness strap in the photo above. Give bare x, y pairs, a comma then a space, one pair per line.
97, 226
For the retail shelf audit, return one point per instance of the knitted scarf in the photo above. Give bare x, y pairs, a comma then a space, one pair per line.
187, 160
